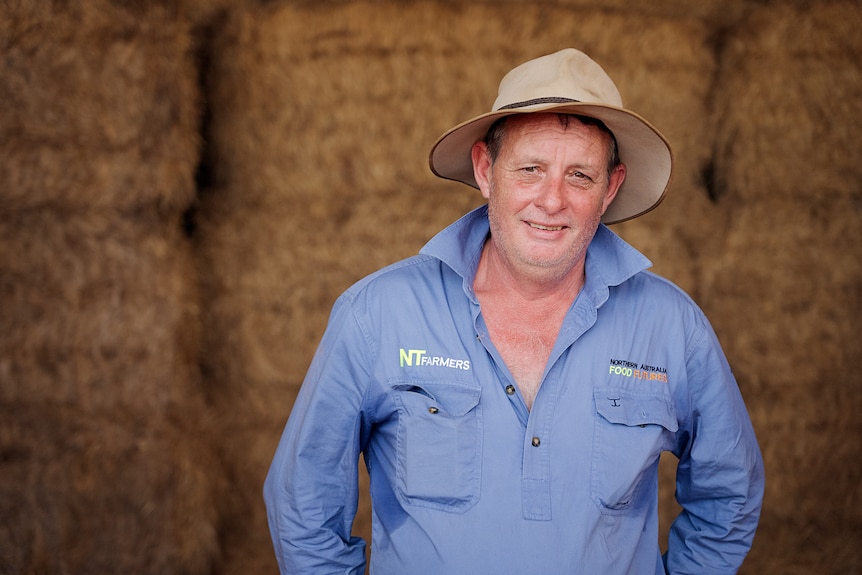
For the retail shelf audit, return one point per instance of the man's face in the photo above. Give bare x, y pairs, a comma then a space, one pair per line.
547, 191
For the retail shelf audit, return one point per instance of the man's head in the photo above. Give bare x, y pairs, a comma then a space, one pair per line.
548, 178
568, 82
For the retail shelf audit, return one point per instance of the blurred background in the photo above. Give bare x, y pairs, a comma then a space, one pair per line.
187, 186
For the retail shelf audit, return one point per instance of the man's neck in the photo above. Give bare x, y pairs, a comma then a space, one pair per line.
523, 317
535, 290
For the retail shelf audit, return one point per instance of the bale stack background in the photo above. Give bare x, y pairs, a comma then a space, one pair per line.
785, 287
105, 462
155, 327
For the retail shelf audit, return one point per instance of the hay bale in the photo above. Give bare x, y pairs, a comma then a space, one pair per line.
322, 120
784, 287
106, 493
99, 311
789, 105
102, 432
106, 103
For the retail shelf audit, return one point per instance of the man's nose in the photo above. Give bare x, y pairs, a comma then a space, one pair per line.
551, 194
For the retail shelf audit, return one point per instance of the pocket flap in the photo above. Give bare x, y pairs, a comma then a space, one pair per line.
454, 399
628, 407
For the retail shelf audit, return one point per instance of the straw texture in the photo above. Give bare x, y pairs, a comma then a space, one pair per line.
102, 494
186, 187
784, 287
106, 464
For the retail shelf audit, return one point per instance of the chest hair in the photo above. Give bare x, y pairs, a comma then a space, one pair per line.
525, 341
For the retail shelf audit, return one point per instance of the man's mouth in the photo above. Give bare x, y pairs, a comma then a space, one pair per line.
545, 228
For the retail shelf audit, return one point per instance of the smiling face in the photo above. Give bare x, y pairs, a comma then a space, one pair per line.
547, 190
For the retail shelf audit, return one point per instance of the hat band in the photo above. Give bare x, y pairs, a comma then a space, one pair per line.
534, 101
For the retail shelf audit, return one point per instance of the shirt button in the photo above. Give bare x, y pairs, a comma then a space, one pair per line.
510, 389
536, 442
432, 410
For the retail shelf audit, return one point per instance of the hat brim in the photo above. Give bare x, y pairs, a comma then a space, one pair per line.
643, 149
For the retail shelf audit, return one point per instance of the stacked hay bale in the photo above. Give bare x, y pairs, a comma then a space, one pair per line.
784, 287
104, 464
322, 121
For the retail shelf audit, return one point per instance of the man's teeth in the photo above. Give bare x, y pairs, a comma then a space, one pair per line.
549, 228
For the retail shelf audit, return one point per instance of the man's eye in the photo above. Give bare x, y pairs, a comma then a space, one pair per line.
531, 169
580, 178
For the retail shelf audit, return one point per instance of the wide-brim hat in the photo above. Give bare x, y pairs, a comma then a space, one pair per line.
569, 82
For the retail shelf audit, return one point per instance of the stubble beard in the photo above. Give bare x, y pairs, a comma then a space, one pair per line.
539, 269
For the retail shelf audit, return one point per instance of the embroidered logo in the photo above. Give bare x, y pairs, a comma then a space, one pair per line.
420, 358
636, 370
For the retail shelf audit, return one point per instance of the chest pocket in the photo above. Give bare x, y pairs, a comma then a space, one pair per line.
632, 429
439, 444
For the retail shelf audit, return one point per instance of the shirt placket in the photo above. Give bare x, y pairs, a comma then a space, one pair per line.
536, 467
536, 426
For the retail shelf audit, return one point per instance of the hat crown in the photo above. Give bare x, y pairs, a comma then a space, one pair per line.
565, 75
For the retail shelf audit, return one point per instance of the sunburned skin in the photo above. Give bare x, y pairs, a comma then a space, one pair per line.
547, 191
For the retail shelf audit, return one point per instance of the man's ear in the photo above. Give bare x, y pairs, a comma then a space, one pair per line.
482, 167
618, 176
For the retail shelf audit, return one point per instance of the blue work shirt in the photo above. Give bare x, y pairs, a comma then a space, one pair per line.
465, 479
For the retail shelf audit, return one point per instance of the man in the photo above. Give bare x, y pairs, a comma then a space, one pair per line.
512, 387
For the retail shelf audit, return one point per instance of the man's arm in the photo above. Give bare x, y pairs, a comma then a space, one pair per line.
720, 476
311, 491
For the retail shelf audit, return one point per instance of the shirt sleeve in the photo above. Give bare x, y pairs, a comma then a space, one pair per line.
311, 490
720, 476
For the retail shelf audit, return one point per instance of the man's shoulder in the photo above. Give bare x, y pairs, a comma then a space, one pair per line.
396, 276
651, 287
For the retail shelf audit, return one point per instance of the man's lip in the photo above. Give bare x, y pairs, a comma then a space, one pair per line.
546, 227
